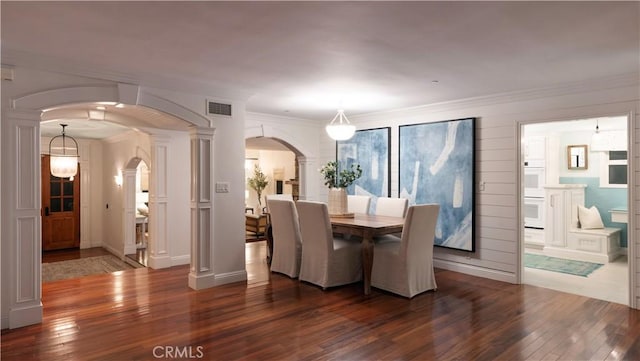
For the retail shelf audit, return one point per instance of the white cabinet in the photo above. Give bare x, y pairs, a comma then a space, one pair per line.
534, 151
562, 202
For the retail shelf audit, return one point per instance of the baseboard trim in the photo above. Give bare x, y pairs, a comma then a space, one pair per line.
180, 260
199, 282
4, 323
475, 271
113, 251
25, 316
231, 277
156, 262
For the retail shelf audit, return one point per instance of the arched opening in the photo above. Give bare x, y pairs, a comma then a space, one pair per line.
160, 128
280, 162
113, 144
136, 210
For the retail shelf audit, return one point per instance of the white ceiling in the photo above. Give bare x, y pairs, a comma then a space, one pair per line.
306, 59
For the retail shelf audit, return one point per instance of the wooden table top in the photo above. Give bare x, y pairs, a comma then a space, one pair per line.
369, 221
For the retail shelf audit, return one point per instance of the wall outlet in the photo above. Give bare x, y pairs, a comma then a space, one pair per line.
222, 187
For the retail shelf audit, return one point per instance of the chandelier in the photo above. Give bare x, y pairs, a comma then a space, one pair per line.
341, 130
63, 152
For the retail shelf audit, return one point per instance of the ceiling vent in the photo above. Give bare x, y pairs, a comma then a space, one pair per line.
218, 108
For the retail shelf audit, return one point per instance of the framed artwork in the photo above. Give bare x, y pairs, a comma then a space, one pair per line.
371, 149
437, 166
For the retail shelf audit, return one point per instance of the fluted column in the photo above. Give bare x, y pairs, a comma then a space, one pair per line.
201, 274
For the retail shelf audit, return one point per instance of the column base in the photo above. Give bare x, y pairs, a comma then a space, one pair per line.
208, 280
25, 316
158, 262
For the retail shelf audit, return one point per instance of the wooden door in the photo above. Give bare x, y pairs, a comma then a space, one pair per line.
60, 209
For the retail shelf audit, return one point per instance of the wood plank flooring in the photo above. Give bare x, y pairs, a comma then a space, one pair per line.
146, 314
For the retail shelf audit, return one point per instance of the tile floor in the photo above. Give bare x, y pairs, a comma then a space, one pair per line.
610, 282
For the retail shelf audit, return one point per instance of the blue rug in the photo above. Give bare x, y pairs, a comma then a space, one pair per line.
578, 268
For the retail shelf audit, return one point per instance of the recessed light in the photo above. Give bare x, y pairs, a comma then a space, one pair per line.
434, 82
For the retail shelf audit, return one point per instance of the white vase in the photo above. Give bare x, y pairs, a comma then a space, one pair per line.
338, 201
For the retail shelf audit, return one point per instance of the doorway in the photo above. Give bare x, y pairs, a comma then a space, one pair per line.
566, 170
60, 209
142, 214
279, 163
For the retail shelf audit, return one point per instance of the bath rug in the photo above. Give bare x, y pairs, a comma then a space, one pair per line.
578, 268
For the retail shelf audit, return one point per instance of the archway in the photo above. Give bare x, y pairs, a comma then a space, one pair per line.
22, 236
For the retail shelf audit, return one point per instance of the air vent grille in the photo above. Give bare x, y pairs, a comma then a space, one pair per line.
218, 108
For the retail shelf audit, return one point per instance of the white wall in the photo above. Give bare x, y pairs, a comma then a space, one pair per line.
118, 151
178, 229
229, 245
498, 219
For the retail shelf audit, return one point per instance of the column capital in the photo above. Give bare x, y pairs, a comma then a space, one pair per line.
201, 132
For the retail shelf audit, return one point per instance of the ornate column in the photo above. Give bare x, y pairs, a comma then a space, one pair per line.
158, 202
21, 219
201, 274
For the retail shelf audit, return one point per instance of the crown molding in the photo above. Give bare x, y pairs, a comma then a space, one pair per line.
585, 86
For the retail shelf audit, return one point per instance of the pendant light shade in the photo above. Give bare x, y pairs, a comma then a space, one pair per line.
63, 152
341, 130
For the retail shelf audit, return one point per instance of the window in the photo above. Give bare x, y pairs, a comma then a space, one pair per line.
613, 169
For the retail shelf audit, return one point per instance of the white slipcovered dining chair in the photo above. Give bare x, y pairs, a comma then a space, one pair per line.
326, 261
394, 207
404, 266
286, 196
287, 240
358, 204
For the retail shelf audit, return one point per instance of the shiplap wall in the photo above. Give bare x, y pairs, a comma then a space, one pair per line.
498, 224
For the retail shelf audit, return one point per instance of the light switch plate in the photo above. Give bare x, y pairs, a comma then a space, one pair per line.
222, 187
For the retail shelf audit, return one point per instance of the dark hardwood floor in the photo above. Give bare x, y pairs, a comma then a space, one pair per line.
146, 314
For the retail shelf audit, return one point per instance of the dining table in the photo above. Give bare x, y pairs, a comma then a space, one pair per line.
366, 227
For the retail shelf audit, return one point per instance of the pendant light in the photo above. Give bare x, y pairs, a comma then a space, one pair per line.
63, 152
598, 143
341, 130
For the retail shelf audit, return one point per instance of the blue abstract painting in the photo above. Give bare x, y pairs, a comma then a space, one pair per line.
437, 166
370, 149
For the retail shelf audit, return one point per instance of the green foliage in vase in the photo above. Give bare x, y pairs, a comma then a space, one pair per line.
258, 182
333, 178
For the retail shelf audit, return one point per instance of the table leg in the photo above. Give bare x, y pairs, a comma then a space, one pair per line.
367, 260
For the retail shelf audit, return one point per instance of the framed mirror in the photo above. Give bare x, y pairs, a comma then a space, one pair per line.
577, 157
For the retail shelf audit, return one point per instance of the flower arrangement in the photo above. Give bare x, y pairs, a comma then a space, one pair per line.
258, 182
333, 178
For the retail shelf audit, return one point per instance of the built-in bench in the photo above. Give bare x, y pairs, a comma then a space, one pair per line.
593, 245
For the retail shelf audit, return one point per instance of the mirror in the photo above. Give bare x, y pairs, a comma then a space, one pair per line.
577, 157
